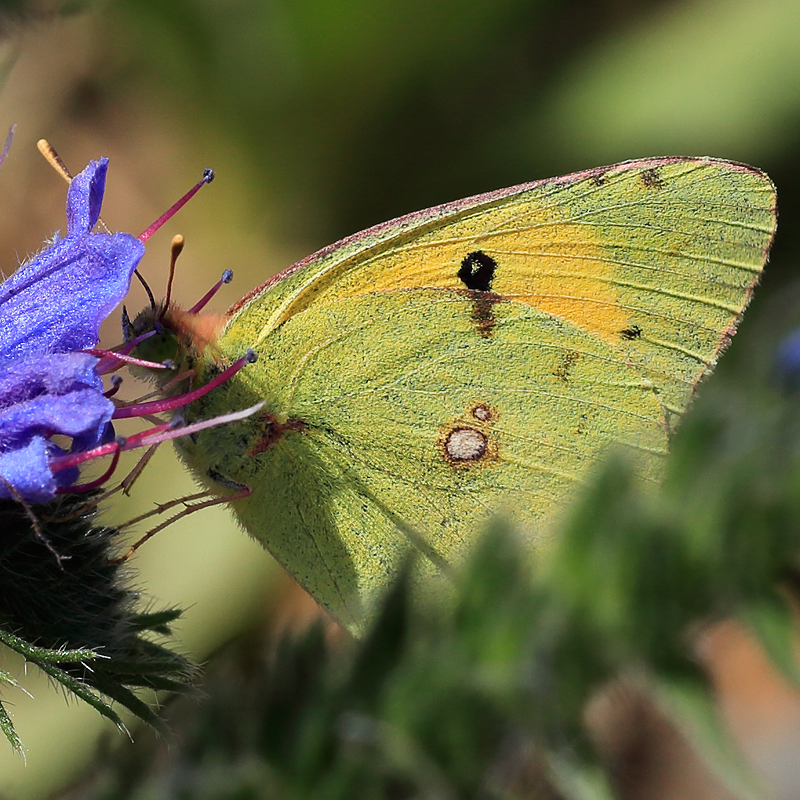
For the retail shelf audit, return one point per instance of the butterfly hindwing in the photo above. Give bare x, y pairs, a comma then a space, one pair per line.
392, 418
474, 358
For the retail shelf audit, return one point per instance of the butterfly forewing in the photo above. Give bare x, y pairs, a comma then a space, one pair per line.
658, 257
475, 358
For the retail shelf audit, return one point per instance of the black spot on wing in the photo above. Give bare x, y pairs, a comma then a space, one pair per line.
477, 271
567, 362
483, 312
650, 178
598, 179
634, 332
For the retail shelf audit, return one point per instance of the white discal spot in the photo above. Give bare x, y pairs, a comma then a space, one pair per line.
483, 413
465, 444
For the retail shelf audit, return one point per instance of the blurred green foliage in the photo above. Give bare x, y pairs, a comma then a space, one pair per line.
354, 112
14, 13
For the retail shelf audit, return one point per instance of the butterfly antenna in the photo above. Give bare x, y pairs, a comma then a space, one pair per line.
7, 145
175, 250
146, 288
208, 176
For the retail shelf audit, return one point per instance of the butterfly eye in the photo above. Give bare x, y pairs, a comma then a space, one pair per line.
477, 271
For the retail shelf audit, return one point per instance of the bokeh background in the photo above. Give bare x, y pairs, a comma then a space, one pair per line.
322, 117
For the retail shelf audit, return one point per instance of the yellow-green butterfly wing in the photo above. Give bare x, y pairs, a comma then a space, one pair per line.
474, 358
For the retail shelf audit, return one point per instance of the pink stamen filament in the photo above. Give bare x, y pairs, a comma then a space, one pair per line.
126, 348
116, 382
167, 404
153, 436
75, 459
156, 435
87, 487
227, 277
110, 354
111, 362
208, 176
187, 375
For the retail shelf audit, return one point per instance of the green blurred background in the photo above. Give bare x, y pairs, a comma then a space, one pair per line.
322, 118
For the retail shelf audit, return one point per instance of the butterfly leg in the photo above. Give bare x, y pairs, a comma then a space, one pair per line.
241, 490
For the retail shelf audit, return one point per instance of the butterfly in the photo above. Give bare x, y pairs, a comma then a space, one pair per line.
475, 358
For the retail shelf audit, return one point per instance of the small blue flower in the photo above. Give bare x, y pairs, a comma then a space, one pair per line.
50, 309
788, 360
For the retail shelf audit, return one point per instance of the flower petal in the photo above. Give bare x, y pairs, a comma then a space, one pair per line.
27, 470
57, 300
51, 307
75, 414
60, 373
83, 414
43, 395
85, 197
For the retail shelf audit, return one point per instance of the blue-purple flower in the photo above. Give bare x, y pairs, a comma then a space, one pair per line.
50, 310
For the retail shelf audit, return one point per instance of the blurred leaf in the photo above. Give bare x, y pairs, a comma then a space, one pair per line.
689, 699
773, 622
701, 77
579, 781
